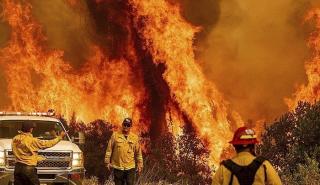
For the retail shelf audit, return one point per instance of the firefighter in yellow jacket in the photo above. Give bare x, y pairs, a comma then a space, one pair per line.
124, 155
25, 149
245, 168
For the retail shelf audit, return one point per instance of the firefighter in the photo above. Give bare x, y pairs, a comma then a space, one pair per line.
245, 168
124, 155
25, 149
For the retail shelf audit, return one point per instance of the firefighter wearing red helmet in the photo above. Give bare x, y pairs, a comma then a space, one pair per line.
245, 168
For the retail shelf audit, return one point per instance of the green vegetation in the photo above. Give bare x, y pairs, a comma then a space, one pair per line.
292, 144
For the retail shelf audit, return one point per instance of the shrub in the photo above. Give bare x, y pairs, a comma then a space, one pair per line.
304, 174
292, 144
97, 134
182, 160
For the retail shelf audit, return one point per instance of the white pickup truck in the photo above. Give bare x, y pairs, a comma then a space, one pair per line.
64, 161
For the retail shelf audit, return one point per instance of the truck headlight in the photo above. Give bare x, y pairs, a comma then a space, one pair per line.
1, 158
77, 159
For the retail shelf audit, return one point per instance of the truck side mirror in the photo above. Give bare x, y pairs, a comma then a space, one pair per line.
79, 138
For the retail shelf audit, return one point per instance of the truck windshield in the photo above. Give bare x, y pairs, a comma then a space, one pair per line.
44, 129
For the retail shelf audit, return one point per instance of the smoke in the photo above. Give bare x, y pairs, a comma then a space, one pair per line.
4, 99
4, 37
73, 26
203, 13
66, 29
256, 53
4, 30
253, 51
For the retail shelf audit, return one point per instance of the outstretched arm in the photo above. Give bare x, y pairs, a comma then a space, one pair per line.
38, 144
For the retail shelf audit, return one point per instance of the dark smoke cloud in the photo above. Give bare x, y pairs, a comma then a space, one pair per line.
4, 28
4, 100
4, 37
74, 28
256, 53
202, 13
66, 28
110, 20
4, 34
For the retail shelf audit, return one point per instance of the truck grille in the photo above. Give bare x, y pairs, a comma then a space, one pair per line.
54, 159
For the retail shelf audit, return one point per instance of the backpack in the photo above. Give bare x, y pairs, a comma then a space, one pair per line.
244, 174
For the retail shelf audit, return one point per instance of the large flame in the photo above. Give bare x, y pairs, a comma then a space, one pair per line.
311, 91
39, 79
169, 39
105, 88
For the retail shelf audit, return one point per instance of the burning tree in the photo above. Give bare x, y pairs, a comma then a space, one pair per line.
141, 65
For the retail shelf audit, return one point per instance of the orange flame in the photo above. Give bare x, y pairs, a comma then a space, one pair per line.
311, 91
38, 78
112, 89
169, 39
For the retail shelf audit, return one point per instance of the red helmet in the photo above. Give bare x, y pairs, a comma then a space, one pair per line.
244, 136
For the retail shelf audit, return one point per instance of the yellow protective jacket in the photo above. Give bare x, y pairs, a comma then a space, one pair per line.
25, 148
223, 175
123, 153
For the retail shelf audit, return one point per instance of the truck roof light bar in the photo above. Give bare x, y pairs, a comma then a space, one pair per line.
50, 113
